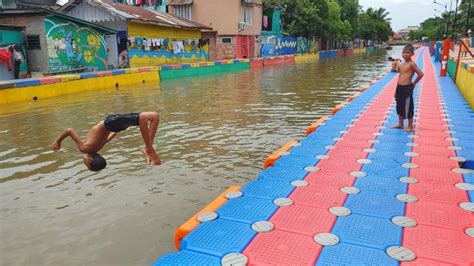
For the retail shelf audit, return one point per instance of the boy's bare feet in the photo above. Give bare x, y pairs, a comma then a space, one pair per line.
152, 157
408, 129
397, 126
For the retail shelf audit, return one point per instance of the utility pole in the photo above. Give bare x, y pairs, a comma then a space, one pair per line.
468, 15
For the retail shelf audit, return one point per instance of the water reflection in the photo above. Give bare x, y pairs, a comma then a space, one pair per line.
215, 132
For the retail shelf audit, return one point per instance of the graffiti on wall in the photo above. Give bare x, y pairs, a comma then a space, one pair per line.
165, 51
72, 45
273, 45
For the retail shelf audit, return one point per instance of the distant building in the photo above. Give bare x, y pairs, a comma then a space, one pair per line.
405, 32
56, 43
149, 37
237, 23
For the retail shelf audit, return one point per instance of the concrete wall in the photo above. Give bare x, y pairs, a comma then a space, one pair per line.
34, 25
224, 16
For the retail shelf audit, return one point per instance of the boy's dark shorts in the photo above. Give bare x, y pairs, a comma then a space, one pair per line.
120, 122
404, 99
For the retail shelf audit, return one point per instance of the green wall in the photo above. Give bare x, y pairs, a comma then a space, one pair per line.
14, 37
73, 45
195, 71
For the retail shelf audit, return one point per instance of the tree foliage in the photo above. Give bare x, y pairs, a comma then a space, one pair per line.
333, 19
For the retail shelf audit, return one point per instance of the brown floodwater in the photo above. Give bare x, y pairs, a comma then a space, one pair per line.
215, 132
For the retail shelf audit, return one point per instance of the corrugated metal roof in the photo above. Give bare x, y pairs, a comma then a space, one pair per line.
15, 12
143, 15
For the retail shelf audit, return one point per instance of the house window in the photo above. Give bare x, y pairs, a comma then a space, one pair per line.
33, 42
183, 11
245, 16
227, 40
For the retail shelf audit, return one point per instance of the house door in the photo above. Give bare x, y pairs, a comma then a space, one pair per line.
245, 46
112, 52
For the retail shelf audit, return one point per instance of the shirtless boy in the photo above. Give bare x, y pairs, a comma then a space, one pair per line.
405, 87
105, 130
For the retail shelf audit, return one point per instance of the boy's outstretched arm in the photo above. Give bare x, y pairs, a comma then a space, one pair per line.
56, 146
419, 74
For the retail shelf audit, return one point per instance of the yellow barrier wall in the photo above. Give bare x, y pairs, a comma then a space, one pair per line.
62, 88
307, 58
465, 83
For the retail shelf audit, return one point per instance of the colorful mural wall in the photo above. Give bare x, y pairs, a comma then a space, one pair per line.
273, 45
150, 45
72, 45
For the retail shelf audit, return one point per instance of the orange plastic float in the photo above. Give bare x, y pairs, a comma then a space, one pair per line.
315, 125
353, 96
192, 223
339, 107
276, 155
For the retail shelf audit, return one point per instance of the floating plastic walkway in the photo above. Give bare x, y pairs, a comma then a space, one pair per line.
354, 191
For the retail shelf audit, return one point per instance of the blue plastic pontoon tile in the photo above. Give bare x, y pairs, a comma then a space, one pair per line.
311, 150
394, 138
296, 160
268, 188
247, 209
346, 254
186, 257
284, 173
368, 231
391, 146
219, 237
385, 169
381, 185
377, 205
383, 156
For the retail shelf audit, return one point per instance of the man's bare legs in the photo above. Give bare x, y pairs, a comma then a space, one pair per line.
148, 134
400, 122
410, 125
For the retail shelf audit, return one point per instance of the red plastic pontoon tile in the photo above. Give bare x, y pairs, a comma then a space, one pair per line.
318, 196
304, 220
434, 150
435, 161
433, 141
438, 192
424, 262
450, 246
428, 121
348, 165
349, 142
343, 153
334, 178
358, 136
434, 174
365, 129
440, 214
430, 128
282, 248
432, 134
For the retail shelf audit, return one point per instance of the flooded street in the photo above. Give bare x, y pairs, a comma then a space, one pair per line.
215, 131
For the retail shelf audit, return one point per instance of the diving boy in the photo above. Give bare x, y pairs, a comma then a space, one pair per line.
405, 87
105, 130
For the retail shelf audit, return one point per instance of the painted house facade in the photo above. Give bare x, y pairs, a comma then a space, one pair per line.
148, 37
237, 23
56, 43
11, 35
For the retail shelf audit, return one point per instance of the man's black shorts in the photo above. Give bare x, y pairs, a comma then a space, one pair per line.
120, 122
404, 99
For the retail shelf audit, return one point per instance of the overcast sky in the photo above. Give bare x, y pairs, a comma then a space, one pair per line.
407, 12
